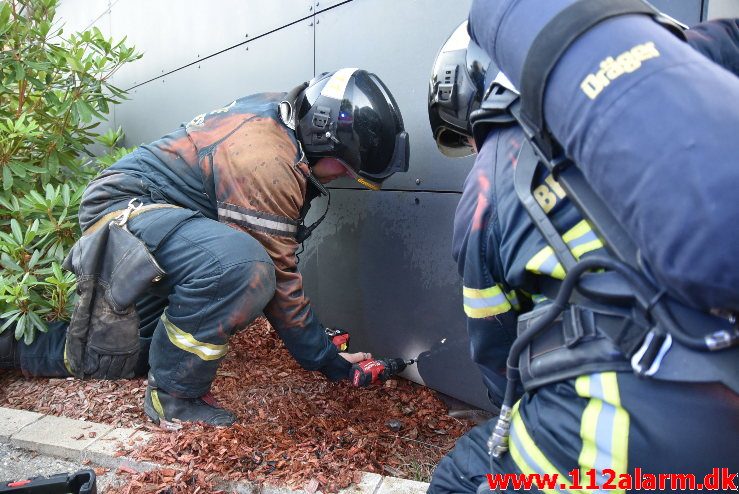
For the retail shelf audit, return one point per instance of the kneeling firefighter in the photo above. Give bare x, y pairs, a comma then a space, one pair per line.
595, 355
188, 239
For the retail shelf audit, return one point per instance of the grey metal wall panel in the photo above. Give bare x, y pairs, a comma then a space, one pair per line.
173, 34
380, 266
687, 11
78, 15
722, 8
161, 105
327, 4
398, 41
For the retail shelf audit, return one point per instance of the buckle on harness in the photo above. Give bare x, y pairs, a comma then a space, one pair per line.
122, 219
648, 358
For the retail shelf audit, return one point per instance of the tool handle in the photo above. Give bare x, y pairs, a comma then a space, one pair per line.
367, 372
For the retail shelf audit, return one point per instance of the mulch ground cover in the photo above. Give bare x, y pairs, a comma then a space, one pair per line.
294, 427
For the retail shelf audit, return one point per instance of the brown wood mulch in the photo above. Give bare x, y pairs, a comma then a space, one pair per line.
294, 427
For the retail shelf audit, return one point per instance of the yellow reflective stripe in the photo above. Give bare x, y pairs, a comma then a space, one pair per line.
535, 262
487, 311
527, 455
156, 403
493, 291
185, 341
547, 257
513, 299
605, 425
620, 438
582, 249
484, 302
559, 272
66, 362
588, 425
577, 231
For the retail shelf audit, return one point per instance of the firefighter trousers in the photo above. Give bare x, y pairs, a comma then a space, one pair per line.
218, 279
602, 421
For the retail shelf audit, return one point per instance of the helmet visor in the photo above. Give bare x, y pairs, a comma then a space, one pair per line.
383, 144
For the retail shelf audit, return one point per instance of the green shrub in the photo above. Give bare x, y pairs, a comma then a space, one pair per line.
55, 91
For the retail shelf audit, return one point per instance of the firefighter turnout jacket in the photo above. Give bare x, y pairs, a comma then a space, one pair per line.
242, 166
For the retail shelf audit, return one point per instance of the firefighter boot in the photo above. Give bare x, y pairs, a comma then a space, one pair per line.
9, 354
162, 408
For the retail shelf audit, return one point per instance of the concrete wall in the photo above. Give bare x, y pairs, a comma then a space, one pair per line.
380, 264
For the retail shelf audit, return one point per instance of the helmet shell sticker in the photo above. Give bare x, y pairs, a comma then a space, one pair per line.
336, 86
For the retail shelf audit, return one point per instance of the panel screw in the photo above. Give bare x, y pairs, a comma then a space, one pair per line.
310, 8
310, 24
318, 21
418, 181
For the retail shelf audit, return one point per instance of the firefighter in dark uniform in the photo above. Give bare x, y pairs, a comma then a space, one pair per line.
587, 411
220, 204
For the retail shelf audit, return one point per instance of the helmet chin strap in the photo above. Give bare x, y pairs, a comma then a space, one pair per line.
305, 231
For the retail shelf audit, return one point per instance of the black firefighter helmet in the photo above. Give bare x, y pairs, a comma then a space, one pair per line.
461, 73
351, 115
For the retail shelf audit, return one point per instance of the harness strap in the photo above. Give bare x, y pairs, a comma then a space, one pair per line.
118, 213
523, 178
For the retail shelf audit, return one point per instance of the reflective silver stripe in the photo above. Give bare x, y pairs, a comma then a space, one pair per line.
605, 425
185, 341
484, 302
256, 220
480, 303
586, 237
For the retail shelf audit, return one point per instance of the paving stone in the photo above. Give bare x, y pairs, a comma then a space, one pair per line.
59, 436
12, 421
244, 487
369, 484
272, 489
71, 439
393, 485
104, 448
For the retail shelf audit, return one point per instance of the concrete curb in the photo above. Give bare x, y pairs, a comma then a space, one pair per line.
79, 440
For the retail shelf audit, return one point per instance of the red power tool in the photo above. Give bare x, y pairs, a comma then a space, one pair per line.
339, 338
370, 371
